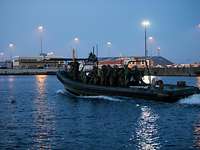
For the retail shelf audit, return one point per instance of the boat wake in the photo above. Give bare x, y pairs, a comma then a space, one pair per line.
101, 97
192, 100
65, 93
60, 92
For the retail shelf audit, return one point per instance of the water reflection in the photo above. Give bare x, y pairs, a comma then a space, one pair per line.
11, 80
197, 135
197, 130
198, 81
44, 116
147, 131
40, 81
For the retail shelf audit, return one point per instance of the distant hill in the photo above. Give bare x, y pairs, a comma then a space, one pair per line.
158, 60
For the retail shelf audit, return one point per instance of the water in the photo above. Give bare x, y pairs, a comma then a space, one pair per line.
36, 113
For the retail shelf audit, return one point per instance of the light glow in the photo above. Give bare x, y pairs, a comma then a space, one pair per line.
158, 48
145, 23
109, 44
151, 38
11, 45
76, 39
40, 28
50, 53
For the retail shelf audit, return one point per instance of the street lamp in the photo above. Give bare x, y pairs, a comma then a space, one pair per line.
41, 30
76, 41
145, 24
1, 56
158, 51
109, 46
151, 42
11, 47
151, 39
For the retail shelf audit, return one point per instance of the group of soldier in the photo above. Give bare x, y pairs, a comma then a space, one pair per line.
107, 75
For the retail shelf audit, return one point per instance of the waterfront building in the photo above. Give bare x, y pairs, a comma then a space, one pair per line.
37, 62
5, 64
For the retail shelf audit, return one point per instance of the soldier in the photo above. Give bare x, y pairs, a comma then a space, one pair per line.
83, 76
111, 76
128, 75
103, 75
121, 77
95, 76
108, 75
115, 75
74, 70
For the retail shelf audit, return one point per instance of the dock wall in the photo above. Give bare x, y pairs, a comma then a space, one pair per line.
175, 71
153, 71
28, 71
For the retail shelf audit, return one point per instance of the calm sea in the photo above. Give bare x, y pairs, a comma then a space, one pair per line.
36, 113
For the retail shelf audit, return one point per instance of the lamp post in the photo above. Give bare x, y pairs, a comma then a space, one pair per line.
1, 56
109, 45
158, 51
151, 42
11, 47
145, 24
41, 30
151, 39
76, 42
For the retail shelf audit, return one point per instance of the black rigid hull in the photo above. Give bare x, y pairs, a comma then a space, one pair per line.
170, 93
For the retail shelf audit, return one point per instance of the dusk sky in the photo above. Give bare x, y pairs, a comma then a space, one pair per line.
173, 26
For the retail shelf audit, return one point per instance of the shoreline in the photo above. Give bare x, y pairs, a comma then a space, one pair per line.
28, 71
190, 72
154, 72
